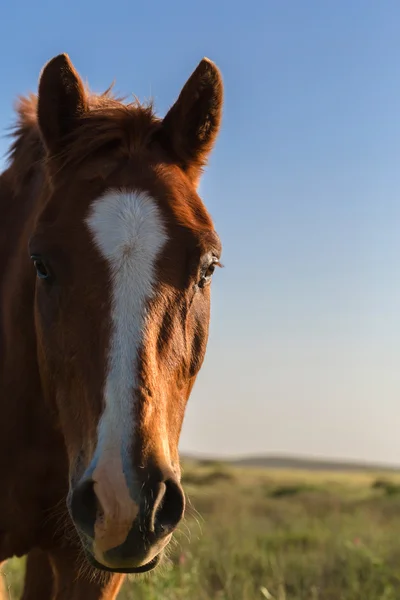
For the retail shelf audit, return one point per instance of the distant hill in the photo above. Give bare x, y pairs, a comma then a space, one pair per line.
299, 463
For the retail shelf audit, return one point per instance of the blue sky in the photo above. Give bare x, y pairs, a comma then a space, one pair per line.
303, 186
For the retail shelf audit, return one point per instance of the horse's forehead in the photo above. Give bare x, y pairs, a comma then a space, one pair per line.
122, 208
125, 221
127, 225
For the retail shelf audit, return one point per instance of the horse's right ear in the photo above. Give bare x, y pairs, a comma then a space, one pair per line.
62, 101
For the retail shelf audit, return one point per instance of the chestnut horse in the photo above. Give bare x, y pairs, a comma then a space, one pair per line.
107, 256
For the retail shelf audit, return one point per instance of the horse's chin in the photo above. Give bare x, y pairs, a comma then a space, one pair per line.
128, 570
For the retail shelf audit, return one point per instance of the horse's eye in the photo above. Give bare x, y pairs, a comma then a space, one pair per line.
41, 269
208, 272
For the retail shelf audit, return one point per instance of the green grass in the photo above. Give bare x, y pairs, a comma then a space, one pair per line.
284, 535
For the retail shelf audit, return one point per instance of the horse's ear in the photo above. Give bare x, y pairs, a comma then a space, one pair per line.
61, 101
191, 126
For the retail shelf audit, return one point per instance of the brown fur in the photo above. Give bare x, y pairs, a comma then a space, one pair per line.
69, 146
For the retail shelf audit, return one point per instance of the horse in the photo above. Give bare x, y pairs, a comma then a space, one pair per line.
107, 255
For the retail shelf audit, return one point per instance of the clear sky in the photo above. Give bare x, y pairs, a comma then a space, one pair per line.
304, 188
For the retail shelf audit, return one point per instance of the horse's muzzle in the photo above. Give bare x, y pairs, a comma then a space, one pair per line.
121, 538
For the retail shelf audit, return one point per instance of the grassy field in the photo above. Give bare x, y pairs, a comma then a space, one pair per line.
284, 535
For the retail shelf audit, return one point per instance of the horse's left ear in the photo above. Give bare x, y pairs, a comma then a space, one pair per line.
191, 126
62, 100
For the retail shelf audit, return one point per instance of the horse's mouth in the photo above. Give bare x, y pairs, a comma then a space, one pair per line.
142, 569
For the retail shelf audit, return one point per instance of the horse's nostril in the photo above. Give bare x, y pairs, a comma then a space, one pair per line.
84, 506
160, 514
170, 508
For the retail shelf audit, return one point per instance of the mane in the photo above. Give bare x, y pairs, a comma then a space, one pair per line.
109, 125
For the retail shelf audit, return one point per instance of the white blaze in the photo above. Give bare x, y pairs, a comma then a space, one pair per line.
128, 230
